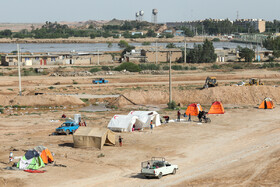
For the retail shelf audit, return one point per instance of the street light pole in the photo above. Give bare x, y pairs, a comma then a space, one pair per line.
170, 82
156, 53
19, 76
185, 52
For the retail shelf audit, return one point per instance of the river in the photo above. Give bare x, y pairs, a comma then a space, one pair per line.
87, 47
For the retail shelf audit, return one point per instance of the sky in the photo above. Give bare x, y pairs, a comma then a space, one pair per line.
40, 11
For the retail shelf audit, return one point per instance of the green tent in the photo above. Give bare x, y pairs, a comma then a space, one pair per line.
34, 163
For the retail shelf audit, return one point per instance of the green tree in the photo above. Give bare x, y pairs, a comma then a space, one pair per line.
247, 54
151, 33
170, 45
123, 44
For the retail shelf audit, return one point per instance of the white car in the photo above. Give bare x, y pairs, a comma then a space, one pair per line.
157, 167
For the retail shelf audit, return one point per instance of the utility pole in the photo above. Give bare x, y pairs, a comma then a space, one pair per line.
19, 76
170, 84
98, 57
156, 53
185, 52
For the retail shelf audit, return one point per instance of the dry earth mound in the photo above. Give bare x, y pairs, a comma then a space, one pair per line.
227, 95
40, 100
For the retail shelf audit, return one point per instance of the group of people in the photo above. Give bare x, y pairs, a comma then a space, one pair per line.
201, 115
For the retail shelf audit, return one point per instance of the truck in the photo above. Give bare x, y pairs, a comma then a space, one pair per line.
157, 167
67, 128
100, 81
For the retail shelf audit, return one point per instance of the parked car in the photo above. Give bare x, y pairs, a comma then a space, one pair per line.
67, 127
100, 81
157, 167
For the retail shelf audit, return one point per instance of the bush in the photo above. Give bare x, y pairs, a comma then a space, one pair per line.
128, 66
186, 68
193, 68
171, 105
177, 67
165, 67
216, 40
149, 67
215, 66
105, 68
146, 43
93, 70
1, 110
237, 67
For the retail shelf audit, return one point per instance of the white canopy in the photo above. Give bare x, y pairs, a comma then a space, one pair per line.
139, 119
146, 117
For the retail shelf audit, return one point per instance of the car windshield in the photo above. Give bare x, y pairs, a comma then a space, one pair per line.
66, 125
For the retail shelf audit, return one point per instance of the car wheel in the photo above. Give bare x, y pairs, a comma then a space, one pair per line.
147, 177
174, 172
67, 132
159, 175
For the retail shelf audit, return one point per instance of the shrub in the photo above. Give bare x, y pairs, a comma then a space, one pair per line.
193, 68
216, 40
93, 70
146, 43
177, 67
186, 68
128, 66
171, 105
149, 67
1, 110
105, 68
51, 87
237, 67
215, 66
165, 67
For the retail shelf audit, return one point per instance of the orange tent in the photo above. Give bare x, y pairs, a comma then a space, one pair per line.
217, 108
45, 154
267, 104
193, 109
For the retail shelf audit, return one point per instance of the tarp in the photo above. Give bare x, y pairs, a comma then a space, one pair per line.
217, 108
267, 104
86, 137
193, 109
135, 119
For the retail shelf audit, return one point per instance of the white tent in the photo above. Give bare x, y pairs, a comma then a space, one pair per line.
140, 119
146, 117
124, 123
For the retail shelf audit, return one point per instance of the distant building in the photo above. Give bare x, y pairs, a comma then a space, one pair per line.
257, 24
86, 58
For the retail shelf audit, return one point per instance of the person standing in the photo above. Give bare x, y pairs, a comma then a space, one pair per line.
151, 124
178, 115
120, 141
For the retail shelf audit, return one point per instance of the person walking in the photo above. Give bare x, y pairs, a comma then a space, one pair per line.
151, 124
178, 115
120, 141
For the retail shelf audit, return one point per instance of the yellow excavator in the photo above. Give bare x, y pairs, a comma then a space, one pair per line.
210, 82
254, 82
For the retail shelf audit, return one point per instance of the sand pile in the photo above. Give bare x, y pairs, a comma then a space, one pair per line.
40, 100
227, 94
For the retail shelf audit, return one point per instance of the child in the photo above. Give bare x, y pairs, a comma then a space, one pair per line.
120, 141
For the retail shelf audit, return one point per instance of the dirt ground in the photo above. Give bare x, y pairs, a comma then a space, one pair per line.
239, 148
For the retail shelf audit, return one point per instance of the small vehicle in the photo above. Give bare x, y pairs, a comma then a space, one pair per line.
157, 167
254, 82
100, 81
210, 82
67, 128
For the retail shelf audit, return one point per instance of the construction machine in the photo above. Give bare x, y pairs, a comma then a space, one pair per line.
210, 82
254, 81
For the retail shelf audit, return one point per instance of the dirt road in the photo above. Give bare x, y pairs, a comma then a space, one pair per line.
232, 142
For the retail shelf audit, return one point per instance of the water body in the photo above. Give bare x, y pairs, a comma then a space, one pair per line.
87, 47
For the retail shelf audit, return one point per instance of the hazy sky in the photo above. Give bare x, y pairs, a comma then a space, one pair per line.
27, 11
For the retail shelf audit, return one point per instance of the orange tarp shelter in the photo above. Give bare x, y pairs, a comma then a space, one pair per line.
45, 154
267, 104
193, 109
217, 108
